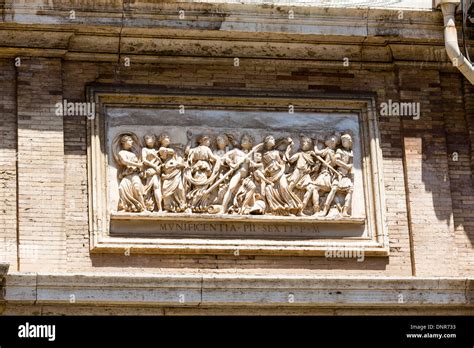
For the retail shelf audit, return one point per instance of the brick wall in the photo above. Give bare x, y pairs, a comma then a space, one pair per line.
41, 185
427, 175
417, 169
75, 166
459, 130
8, 151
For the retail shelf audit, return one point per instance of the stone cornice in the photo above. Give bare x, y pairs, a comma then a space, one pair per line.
144, 29
194, 290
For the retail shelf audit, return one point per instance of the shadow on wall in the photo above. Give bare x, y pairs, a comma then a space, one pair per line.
213, 262
440, 183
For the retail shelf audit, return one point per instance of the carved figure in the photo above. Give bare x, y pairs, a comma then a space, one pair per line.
238, 162
250, 198
267, 178
131, 189
201, 173
152, 171
323, 182
222, 147
305, 164
174, 194
281, 200
343, 182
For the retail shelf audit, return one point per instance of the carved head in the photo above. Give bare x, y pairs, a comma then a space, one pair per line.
204, 140
246, 142
149, 140
332, 141
222, 141
165, 152
269, 142
127, 142
164, 140
346, 140
306, 143
257, 157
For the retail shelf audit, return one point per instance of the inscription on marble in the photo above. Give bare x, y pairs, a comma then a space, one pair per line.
232, 227
222, 229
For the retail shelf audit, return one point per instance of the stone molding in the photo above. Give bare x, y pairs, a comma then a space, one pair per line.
151, 31
105, 96
220, 290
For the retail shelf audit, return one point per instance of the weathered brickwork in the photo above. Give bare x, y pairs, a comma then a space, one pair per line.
427, 176
41, 185
458, 132
469, 221
8, 151
75, 166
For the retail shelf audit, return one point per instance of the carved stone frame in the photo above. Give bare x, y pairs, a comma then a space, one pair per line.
111, 95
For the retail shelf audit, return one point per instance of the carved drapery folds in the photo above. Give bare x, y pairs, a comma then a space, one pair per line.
236, 174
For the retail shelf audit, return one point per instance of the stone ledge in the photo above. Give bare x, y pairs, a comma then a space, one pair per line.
235, 218
194, 290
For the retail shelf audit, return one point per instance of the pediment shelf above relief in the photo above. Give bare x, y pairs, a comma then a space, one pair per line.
241, 218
